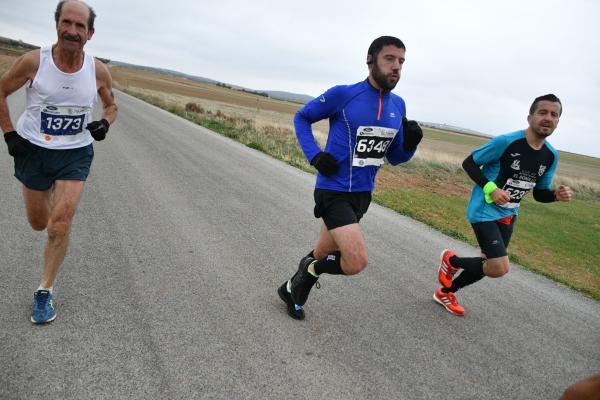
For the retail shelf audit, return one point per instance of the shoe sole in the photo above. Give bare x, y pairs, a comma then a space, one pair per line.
440, 272
289, 303
441, 303
43, 322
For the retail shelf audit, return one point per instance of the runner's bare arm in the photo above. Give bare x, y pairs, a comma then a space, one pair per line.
23, 70
104, 84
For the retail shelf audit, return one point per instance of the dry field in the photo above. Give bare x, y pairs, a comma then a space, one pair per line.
129, 77
261, 117
6, 61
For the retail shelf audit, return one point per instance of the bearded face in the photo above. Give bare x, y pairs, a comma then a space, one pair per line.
385, 81
385, 70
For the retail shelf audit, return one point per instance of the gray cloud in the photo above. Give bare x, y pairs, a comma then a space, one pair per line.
469, 63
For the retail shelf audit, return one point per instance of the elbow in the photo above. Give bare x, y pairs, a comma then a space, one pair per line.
301, 123
468, 163
300, 117
395, 159
543, 195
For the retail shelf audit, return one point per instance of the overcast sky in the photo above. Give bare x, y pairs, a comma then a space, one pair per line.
473, 64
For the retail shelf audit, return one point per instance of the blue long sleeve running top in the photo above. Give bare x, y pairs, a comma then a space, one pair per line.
365, 126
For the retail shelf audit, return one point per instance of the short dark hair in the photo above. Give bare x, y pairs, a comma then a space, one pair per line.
59, 8
378, 44
546, 97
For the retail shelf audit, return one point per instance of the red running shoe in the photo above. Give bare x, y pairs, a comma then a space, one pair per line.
448, 300
446, 271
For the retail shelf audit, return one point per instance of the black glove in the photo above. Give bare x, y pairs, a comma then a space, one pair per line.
325, 163
17, 146
98, 129
412, 134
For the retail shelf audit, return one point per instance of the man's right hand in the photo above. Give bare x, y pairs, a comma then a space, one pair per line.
17, 146
325, 163
501, 197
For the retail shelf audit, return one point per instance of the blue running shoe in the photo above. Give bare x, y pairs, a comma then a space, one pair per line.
43, 307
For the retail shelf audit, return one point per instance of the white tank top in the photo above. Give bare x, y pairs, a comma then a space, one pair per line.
59, 105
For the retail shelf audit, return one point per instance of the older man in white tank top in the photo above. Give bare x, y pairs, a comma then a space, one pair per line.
52, 143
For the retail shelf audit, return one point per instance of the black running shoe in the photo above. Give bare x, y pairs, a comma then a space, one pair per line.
294, 311
302, 282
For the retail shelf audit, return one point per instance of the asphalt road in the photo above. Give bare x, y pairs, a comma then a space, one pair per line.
169, 291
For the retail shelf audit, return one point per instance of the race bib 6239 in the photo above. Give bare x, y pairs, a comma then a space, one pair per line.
517, 190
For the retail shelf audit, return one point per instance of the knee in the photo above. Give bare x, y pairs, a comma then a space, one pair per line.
37, 221
570, 394
497, 268
58, 229
584, 389
497, 274
320, 253
354, 265
38, 224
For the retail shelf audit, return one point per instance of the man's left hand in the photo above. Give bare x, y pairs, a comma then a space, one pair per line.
98, 129
412, 134
563, 193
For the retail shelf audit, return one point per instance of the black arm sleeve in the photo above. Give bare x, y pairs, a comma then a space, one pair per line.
474, 171
543, 195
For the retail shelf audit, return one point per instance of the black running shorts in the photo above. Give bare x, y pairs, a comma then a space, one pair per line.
340, 208
494, 236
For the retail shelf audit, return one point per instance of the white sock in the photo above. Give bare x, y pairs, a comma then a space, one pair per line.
311, 269
46, 288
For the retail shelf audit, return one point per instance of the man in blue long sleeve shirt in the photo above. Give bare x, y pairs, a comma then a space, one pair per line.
367, 123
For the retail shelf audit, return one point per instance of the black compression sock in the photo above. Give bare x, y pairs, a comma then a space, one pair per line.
464, 279
330, 264
472, 264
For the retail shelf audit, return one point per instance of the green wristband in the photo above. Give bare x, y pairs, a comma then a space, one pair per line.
488, 189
